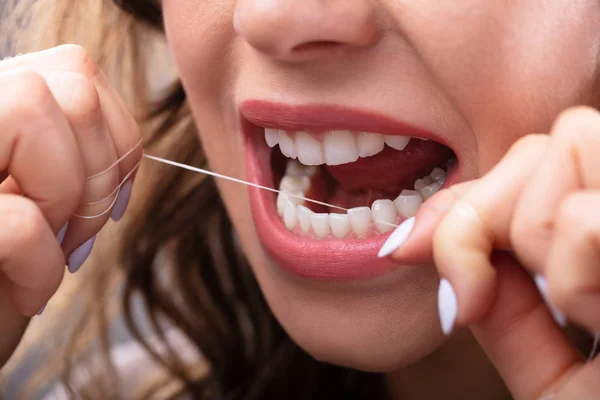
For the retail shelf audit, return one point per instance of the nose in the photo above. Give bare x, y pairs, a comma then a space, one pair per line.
296, 30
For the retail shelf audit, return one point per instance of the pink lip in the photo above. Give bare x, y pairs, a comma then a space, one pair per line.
321, 118
330, 259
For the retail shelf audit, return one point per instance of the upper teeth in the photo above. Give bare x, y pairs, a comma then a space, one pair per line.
382, 215
335, 148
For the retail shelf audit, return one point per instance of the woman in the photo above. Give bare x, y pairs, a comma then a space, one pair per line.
383, 105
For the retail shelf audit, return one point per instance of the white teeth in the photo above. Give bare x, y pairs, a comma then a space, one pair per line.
360, 220
284, 198
340, 225
294, 168
320, 224
384, 215
309, 150
337, 147
304, 214
293, 184
287, 145
340, 147
397, 142
408, 203
290, 218
272, 137
369, 144
421, 183
430, 190
439, 175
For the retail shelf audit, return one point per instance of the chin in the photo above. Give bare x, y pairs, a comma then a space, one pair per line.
378, 324
317, 263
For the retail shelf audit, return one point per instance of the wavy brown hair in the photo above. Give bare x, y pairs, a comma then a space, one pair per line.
178, 252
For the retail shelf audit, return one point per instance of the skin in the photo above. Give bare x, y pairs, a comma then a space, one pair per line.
481, 73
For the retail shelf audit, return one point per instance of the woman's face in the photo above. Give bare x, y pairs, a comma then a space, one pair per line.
473, 75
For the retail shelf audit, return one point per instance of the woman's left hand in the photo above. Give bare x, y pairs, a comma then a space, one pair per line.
542, 204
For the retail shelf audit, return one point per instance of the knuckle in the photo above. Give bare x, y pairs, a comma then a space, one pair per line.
79, 59
31, 98
24, 224
564, 290
573, 221
83, 100
569, 214
527, 142
576, 120
519, 231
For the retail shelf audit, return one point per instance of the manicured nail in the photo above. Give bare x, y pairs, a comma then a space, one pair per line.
61, 234
80, 254
42, 310
397, 238
122, 201
542, 285
447, 306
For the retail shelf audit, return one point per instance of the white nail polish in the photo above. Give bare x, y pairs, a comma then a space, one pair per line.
542, 285
447, 306
397, 238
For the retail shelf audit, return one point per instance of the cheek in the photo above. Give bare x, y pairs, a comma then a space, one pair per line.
509, 67
200, 33
200, 36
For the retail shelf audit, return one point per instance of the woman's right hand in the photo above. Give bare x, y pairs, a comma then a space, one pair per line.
62, 128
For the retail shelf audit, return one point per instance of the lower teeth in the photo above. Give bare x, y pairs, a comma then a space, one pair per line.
381, 217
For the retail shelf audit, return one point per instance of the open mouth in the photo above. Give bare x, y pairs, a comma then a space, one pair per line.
366, 174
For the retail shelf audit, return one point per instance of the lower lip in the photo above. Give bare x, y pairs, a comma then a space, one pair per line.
329, 259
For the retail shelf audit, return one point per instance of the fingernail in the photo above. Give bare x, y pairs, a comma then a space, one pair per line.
61, 234
80, 254
542, 285
42, 310
122, 201
397, 238
447, 306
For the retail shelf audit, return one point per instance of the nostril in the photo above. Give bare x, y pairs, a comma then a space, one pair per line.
315, 45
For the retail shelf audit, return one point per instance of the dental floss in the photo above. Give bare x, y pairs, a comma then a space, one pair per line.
217, 175
138, 144
115, 193
229, 178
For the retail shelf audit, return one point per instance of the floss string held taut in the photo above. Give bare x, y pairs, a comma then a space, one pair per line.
229, 178
217, 175
596, 343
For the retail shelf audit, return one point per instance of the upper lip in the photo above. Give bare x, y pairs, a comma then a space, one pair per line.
317, 118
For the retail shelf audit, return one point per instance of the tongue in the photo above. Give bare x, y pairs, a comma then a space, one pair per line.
391, 170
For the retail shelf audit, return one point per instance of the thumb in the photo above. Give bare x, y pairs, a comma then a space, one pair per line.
520, 337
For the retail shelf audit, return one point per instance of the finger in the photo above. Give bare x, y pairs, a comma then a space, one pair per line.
39, 151
120, 123
520, 337
479, 223
117, 123
573, 262
79, 100
571, 163
31, 261
583, 383
417, 247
